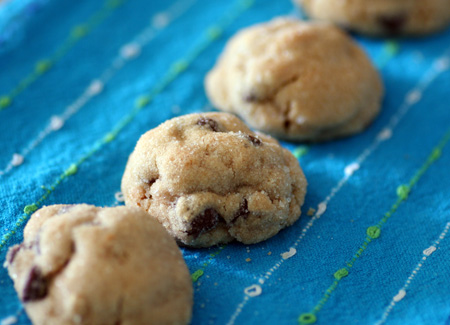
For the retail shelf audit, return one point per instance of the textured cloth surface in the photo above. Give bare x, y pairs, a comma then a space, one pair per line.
13, 15
85, 79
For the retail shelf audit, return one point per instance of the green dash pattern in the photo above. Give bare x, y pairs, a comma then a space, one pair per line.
374, 232
300, 151
44, 65
199, 273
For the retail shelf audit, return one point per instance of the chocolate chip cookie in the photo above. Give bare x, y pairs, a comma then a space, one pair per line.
296, 80
209, 180
382, 17
87, 265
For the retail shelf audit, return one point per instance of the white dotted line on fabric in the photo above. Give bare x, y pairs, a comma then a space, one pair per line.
443, 63
118, 198
17, 160
402, 292
126, 53
292, 251
253, 290
439, 66
12, 319
385, 134
350, 169
9, 320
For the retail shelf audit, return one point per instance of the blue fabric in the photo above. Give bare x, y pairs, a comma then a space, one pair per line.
13, 15
100, 135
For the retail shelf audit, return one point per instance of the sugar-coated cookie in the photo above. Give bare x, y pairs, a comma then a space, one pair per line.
86, 265
209, 180
382, 17
296, 80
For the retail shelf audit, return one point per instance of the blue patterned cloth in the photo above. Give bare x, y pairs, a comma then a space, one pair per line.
85, 79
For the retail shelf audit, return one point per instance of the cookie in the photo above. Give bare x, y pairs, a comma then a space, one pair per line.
382, 17
86, 265
210, 180
296, 80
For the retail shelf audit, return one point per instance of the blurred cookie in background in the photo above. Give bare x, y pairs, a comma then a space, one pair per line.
382, 17
296, 80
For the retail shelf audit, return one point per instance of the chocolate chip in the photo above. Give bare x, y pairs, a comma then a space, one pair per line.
13, 252
254, 140
204, 222
204, 121
150, 182
251, 97
36, 286
243, 211
393, 24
